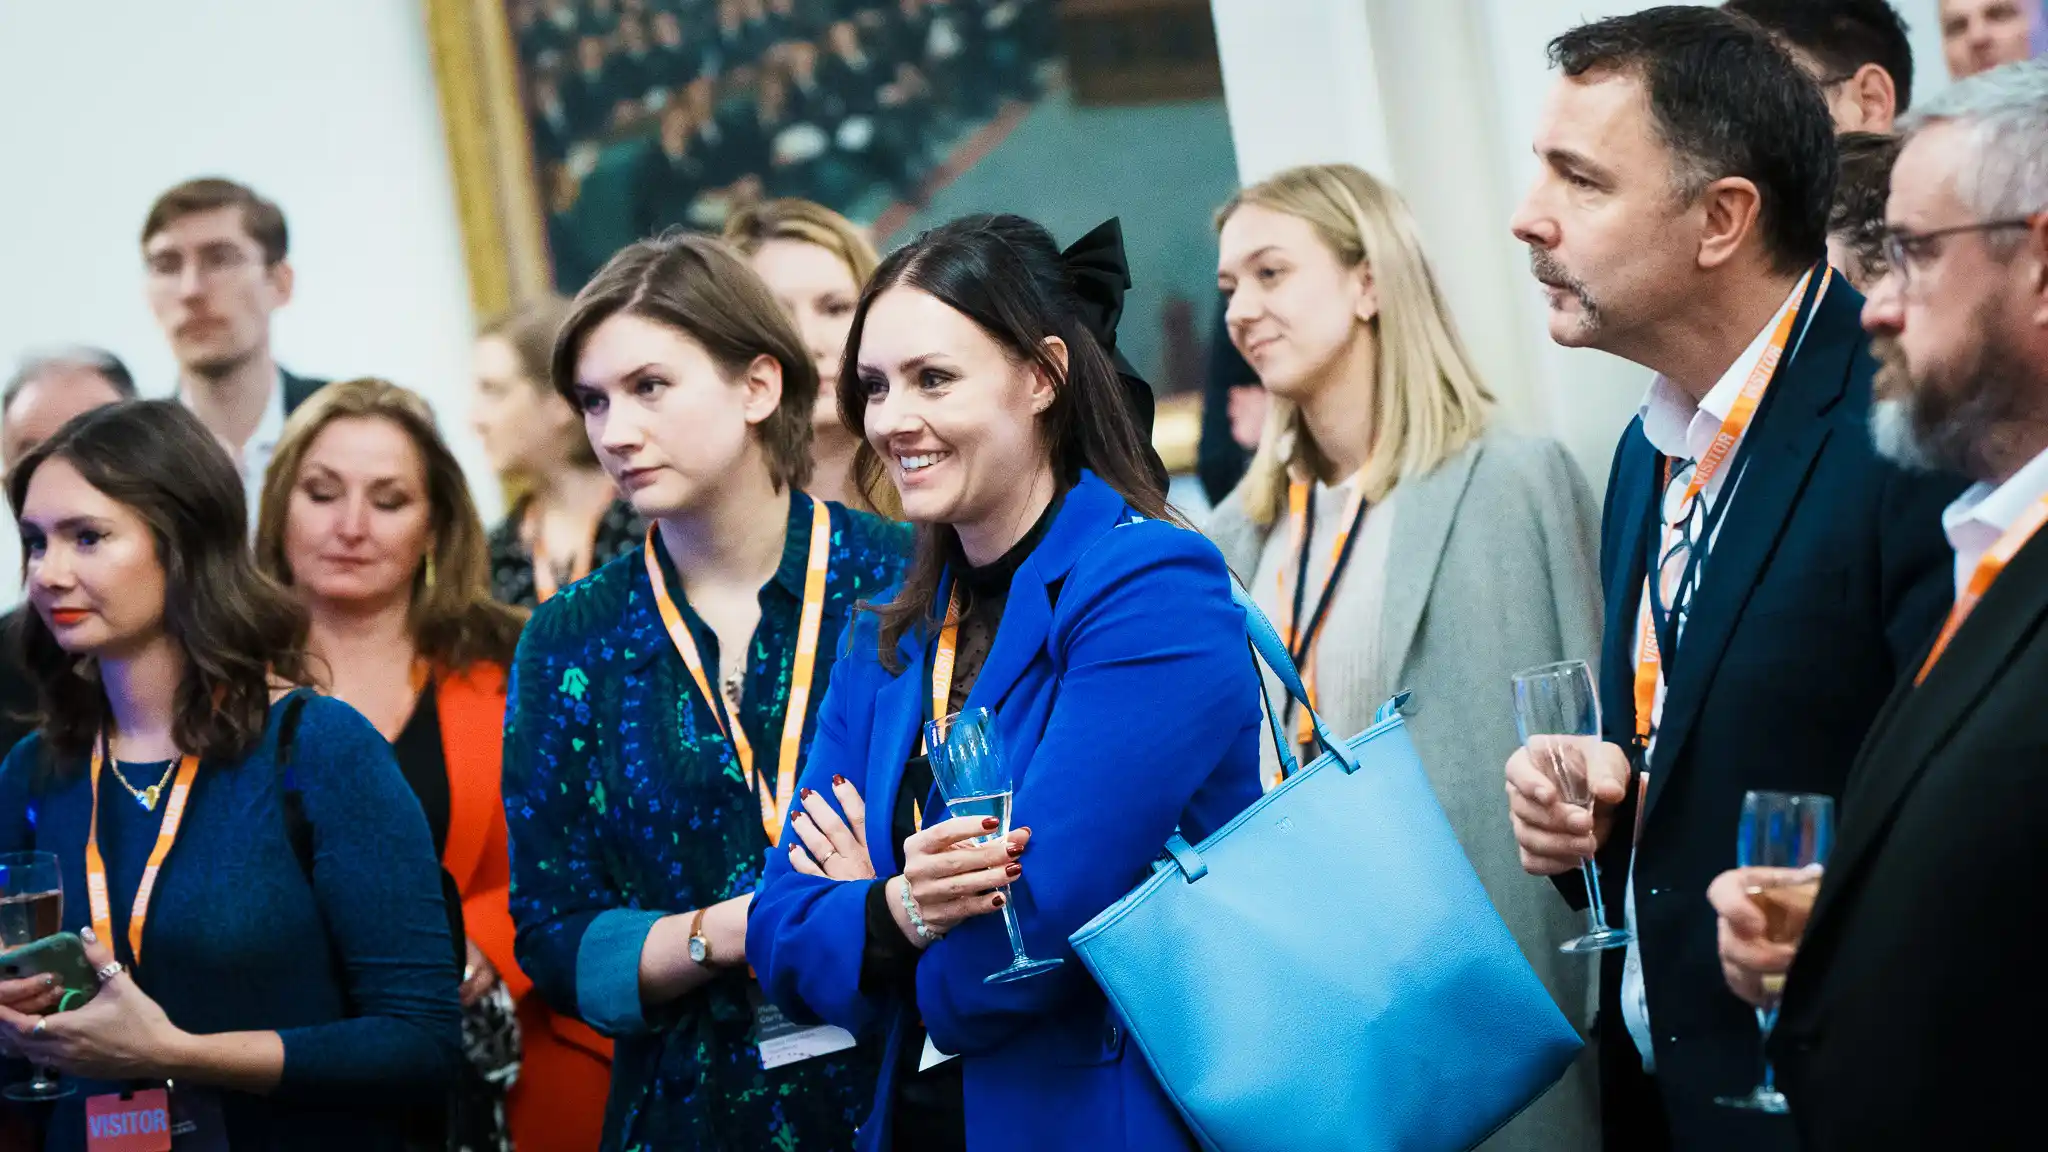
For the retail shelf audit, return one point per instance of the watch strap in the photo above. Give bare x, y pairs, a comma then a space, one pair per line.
697, 933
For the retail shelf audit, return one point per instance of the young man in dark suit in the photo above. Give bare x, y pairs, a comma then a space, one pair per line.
1767, 576
216, 269
1925, 947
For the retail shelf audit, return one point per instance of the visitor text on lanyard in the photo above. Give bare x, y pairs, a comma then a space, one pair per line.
775, 801
96, 866
1649, 654
944, 652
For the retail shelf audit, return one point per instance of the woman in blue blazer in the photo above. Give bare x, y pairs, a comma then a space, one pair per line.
1103, 637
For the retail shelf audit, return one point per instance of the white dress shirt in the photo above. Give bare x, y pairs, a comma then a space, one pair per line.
1984, 513
1684, 431
254, 458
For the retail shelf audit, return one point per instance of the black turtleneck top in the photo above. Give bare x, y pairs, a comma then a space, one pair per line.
930, 1110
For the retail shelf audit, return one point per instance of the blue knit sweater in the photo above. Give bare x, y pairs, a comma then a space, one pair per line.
352, 965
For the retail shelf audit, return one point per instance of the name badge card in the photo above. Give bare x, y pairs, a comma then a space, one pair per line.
782, 1041
129, 1122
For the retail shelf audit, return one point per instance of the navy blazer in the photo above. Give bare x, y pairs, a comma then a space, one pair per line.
1128, 705
1829, 573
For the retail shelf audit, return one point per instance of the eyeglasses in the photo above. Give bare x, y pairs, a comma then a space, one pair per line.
214, 261
1904, 250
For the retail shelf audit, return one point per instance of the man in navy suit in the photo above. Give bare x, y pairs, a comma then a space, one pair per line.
1767, 576
215, 256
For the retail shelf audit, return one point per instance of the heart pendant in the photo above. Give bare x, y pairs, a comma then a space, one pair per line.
148, 798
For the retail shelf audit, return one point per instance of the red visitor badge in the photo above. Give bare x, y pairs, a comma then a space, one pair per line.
131, 1122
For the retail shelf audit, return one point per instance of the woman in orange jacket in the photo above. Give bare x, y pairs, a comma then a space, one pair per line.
366, 515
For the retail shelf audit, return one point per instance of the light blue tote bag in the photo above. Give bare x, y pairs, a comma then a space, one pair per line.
1325, 971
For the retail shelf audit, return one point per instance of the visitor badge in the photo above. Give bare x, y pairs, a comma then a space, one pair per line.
129, 1122
783, 1041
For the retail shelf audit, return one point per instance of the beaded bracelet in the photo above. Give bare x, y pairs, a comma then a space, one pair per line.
917, 918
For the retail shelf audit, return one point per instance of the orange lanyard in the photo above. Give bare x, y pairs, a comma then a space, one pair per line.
774, 801
943, 656
544, 580
1649, 660
1988, 570
1305, 655
96, 866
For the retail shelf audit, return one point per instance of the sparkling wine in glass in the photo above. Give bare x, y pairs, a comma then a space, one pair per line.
968, 766
31, 907
1790, 830
1557, 714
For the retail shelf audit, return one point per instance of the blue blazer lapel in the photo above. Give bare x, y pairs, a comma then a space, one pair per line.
1782, 448
1091, 509
898, 719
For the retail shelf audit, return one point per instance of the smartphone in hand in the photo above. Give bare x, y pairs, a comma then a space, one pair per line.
61, 955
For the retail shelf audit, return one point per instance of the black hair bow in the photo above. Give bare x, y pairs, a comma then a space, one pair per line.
1100, 275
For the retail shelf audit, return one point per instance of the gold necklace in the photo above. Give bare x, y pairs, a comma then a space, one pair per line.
147, 797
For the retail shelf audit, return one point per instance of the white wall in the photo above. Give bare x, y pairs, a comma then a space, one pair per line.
1441, 97
326, 106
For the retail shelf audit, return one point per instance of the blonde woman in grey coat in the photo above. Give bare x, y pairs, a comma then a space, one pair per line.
1460, 554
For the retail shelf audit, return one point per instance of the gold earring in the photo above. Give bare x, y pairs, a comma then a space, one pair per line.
429, 572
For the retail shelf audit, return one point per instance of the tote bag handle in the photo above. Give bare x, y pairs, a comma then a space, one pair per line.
1265, 640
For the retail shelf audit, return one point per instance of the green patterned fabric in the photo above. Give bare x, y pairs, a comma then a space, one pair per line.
625, 803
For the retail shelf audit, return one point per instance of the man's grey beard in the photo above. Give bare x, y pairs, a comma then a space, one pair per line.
1933, 427
1891, 431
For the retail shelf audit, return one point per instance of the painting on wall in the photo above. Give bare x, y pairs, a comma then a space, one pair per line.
577, 126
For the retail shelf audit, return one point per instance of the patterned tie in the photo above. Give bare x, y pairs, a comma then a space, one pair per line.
1682, 521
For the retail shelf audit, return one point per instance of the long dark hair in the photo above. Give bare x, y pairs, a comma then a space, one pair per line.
238, 629
1006, 274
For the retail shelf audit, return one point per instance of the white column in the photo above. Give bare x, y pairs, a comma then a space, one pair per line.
1300, 84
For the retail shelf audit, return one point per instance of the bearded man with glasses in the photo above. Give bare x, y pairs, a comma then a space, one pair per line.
1921, 958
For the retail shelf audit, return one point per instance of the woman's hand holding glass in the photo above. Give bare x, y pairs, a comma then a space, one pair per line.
828, 846
951, 878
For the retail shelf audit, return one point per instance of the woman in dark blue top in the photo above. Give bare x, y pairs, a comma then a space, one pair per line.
291, 970
1050, 585
639, 811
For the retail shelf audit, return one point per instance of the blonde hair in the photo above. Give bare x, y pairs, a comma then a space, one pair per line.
1429, 402
801, 220
454, 621
807, 222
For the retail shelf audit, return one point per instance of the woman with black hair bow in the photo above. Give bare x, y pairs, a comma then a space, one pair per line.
1051, 585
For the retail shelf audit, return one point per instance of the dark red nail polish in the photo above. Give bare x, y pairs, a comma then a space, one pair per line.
804, 793
1014, 871
999, 900
1014, 849
991, 822
838, 779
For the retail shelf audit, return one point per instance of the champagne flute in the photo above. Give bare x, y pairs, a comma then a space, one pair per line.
968, 766
1557, 713
31, 907
1792, 830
